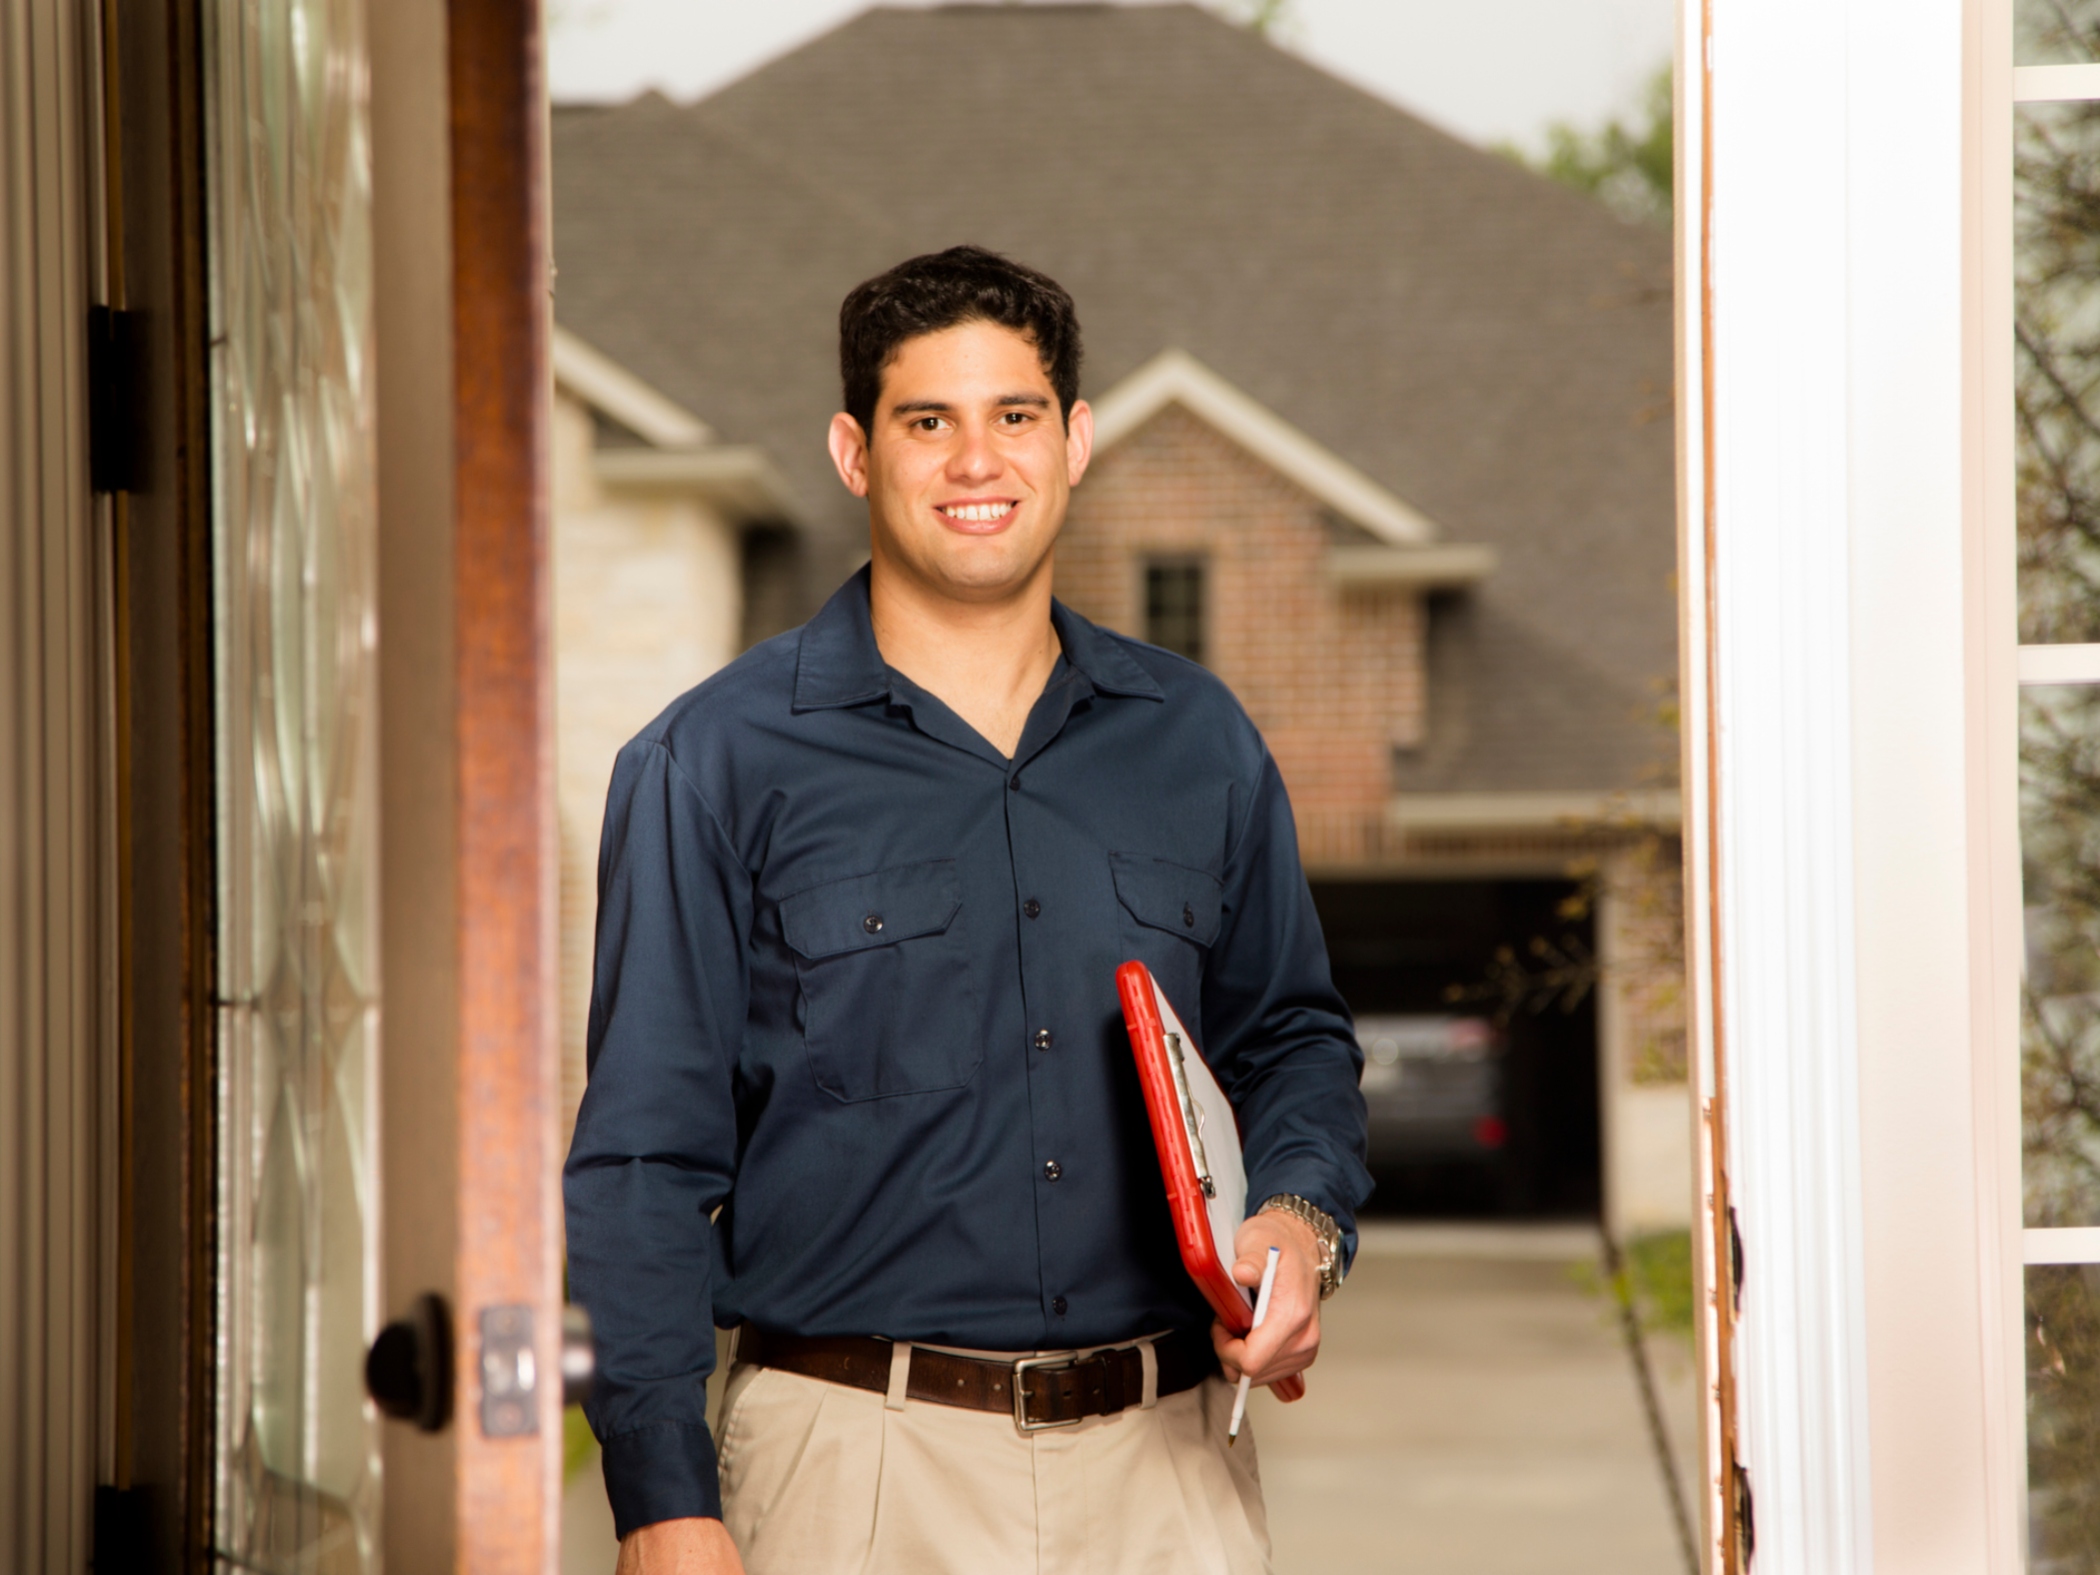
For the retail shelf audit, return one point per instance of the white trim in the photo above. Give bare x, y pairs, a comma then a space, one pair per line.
740, 480
2060, 664
1996, 918
1807, 282
1531, 811
1174, 377
599, 381
1419, 568
2055, 84
2078, 1245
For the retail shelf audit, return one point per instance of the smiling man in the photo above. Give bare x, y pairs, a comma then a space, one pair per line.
862, 896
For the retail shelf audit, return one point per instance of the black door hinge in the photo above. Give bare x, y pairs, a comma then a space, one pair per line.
123, 1532
116, 399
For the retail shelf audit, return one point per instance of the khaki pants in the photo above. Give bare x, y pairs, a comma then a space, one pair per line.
822, 1479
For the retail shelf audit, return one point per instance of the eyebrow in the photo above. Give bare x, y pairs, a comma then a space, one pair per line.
941, 407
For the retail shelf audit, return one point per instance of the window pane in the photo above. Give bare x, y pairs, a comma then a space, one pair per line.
2055, 32
1174, 607
2057, 369
296, 1446
2060, 1007
2063, 1418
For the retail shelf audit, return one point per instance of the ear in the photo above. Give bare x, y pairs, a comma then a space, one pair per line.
1079, 441
849, 452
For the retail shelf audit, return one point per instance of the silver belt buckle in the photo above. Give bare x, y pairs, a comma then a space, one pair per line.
1029, 1364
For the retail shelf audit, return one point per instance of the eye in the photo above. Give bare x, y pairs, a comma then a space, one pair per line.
927, 424
1015, 418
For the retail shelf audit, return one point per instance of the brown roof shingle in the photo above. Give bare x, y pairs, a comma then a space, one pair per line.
1491, 347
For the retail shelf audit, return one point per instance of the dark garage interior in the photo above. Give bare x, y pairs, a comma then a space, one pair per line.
1402, 949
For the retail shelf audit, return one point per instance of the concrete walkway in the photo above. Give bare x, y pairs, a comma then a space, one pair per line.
1474, 1412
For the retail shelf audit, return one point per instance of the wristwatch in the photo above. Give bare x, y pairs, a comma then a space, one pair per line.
1324, 1227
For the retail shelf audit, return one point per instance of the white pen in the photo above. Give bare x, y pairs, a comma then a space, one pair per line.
1261, 1311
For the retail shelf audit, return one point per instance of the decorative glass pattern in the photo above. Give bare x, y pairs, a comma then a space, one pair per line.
288, 175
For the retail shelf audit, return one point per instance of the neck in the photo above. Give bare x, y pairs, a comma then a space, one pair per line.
986, 661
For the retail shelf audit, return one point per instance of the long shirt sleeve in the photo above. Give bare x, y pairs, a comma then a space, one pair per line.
655, 1147
1280, 1039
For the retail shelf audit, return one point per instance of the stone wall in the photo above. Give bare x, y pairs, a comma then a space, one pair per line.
647, 602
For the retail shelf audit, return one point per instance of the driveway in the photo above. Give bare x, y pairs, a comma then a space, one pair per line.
1475, 1412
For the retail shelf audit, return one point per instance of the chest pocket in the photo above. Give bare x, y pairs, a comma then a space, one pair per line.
1170, 917
889, 1004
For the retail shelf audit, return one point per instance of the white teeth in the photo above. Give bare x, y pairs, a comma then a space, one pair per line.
977, 513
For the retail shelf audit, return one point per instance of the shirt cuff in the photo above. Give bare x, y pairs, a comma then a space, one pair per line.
661, 1471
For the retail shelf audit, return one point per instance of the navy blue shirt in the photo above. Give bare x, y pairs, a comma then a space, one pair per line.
855, 989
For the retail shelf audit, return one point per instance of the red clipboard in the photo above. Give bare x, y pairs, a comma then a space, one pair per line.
1198, 1138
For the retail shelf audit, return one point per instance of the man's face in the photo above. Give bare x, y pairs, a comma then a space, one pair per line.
968, 468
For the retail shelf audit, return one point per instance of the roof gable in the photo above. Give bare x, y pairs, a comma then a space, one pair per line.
1174, 377
617, 394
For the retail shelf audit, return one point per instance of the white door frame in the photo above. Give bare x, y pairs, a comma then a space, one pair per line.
1849, 770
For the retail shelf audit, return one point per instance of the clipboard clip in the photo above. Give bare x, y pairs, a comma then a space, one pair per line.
1191, 1117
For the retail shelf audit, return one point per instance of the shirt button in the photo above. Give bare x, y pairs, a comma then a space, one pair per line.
1188, 916
872, 923
1057, 1305
1052, 1170
1032, 908
1014, 782
1042, 1039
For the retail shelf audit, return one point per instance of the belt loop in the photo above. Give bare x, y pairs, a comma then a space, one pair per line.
900, 1374
1148, 1363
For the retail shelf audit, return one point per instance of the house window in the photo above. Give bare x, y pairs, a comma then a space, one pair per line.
1174, 607
2052, 494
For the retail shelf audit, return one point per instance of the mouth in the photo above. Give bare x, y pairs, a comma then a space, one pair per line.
978, 515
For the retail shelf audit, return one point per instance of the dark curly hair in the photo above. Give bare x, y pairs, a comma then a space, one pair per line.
964, 284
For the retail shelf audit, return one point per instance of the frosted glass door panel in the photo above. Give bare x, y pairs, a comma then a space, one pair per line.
296, 1474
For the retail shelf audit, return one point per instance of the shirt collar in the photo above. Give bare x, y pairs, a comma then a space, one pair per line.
839, 664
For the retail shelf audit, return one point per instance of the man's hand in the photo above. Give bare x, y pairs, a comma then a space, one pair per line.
1289, 1337
679, 1547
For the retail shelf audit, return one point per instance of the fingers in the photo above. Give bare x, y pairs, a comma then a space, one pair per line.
1287, 1342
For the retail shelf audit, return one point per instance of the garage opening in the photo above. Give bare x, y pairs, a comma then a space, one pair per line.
1476, 1008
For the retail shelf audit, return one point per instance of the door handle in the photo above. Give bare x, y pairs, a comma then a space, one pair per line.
579, 1355
408, 1371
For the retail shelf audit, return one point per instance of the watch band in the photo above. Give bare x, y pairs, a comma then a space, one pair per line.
1324, 1227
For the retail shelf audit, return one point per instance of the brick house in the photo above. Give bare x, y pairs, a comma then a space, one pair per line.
1384, 439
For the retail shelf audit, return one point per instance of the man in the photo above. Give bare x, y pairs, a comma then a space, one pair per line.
862, 899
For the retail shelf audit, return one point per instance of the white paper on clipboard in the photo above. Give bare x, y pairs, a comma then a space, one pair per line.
1213, 1134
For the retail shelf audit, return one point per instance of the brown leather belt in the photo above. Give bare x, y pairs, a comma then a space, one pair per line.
1037, 1391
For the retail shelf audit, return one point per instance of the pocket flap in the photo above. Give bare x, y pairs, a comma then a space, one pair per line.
872, 910
1169, 897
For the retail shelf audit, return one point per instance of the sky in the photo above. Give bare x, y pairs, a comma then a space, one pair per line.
1489, 72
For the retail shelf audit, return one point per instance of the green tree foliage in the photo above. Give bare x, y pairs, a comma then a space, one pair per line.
1626, 164
1271, 19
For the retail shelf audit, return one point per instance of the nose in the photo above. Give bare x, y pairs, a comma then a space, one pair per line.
975, 457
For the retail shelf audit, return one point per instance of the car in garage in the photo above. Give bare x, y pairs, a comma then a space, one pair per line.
1433, 1088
